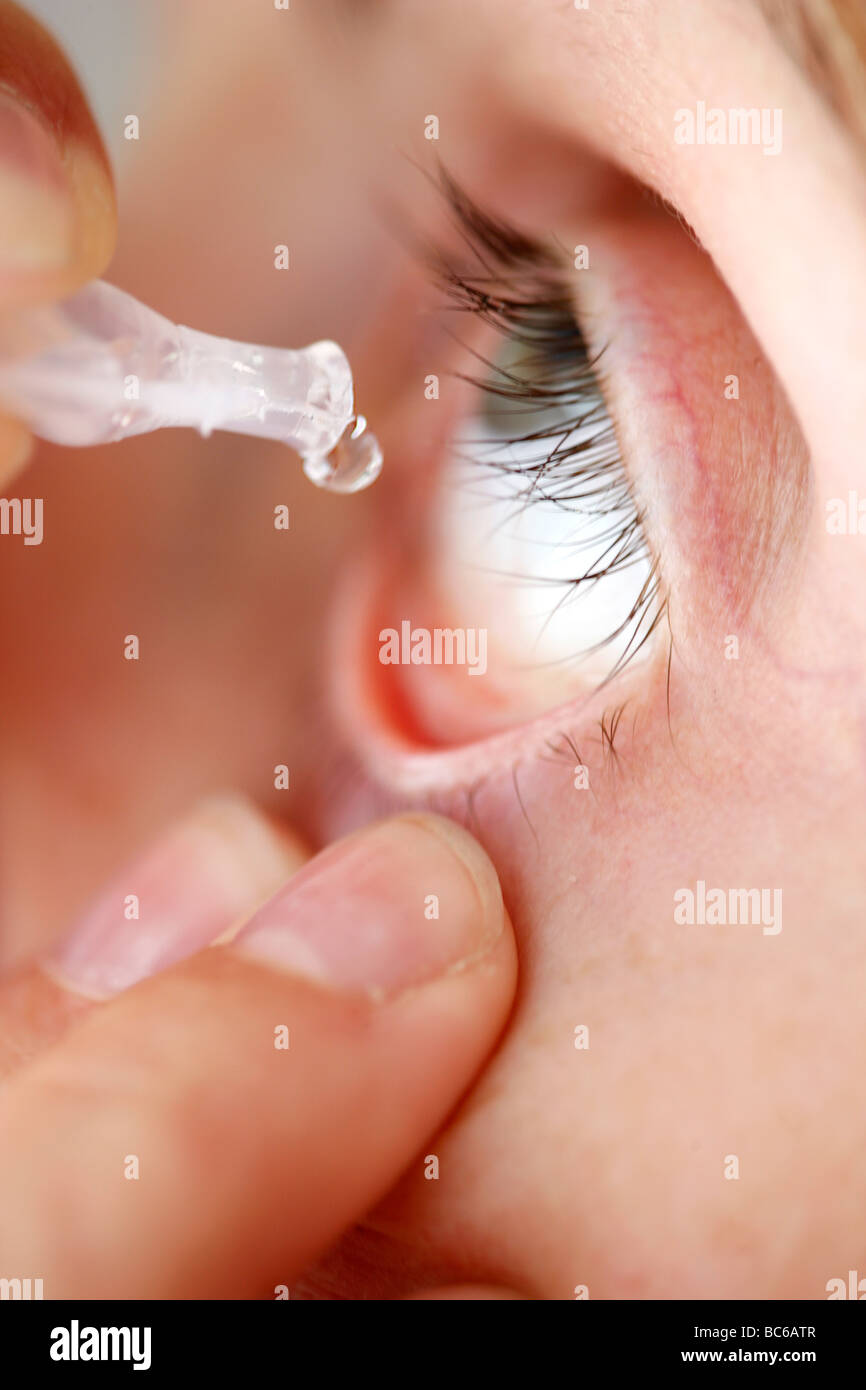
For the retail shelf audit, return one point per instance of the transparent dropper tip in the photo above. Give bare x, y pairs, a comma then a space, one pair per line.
101, 367
353, 464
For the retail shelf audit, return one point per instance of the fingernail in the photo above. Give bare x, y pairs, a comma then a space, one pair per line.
394, 905
207, 874
36, 208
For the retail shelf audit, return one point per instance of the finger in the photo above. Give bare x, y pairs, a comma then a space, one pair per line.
57, 207
58, 216
16, 445
208, 1132
200, 880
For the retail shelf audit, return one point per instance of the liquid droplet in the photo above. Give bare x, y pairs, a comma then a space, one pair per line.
354, 462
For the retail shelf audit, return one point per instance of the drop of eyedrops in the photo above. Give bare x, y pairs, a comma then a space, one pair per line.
354, 462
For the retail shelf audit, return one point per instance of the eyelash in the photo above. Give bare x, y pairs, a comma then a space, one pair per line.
519, 287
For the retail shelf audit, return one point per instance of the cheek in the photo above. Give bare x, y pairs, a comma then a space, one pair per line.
641, 1056
604, 1163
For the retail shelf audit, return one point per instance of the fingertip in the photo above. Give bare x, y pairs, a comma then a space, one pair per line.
474, 858
16, 446
397, 904
58, 214
94, 223
190, 888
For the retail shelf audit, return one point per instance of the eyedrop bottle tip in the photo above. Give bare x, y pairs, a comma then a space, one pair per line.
354, 462
101, 366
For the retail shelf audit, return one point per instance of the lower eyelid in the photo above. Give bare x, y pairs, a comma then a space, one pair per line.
376, 724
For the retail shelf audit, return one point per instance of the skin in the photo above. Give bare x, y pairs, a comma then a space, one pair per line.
705, 1042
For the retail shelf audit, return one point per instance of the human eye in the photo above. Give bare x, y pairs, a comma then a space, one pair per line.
540, 508
529, 563
597, 518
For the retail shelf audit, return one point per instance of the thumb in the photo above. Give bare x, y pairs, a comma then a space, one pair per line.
57, 208
266, 1094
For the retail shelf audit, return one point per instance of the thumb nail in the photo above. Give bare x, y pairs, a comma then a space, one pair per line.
390, 907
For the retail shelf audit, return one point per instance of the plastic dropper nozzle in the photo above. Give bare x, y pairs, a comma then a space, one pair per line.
101, 366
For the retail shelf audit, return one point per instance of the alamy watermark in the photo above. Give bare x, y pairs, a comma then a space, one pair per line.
846, 516
854, 1287
24, 1290
738, 125
439, 646
22, 516
721, 907
77, 1343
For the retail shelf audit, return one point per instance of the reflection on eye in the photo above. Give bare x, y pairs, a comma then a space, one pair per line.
541, 503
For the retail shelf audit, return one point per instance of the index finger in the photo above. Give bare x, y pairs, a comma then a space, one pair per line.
57, 207
58, 217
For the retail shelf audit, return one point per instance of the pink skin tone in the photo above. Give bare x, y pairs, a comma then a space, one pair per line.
602, 1167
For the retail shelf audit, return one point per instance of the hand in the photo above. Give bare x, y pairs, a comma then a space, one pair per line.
179, 1122
57, 210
